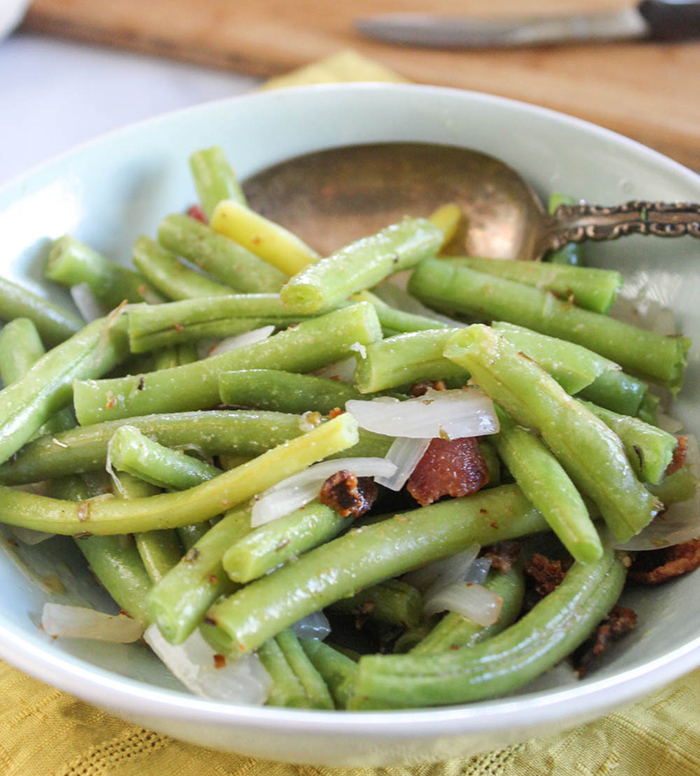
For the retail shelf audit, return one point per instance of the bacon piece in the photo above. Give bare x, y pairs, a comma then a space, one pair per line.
449, 467
656, 566
678, 456
420, 389
546, 575
618, 622
196, 212
503, 555
348, 494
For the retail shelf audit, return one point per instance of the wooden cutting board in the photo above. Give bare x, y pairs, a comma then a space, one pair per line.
644, 90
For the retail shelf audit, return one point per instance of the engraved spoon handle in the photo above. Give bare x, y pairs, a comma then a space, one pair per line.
576, 223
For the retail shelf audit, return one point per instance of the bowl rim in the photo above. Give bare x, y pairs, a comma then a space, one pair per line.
107, 688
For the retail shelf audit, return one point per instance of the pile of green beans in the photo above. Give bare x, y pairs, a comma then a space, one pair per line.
154, 455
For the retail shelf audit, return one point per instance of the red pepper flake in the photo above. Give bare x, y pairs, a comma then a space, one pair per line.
179, 328
335, 412
12, 542
213, 579
197, 213
111, 401
256, 240
219, 661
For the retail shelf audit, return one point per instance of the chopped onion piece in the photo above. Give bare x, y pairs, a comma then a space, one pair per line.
87, 303
443, 572
78, 622
680, 522
313, 626
646, 313
299, 489
475, 602
405, 453
344, 370
465, 412
29, 536
478, 571
667, 423
359, 348
395, 296
247, 338
239, 681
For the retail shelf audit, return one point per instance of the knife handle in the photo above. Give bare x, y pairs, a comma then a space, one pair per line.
671, 19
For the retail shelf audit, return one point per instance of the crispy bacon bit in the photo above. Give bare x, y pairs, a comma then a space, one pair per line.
420, 389
335, 412
196, 212
678, 456
546, 575
450, 467
348, 494
503, 555
219, 661
618, 623
656, 566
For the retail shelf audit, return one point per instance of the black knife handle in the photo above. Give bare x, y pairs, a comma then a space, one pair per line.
671, 20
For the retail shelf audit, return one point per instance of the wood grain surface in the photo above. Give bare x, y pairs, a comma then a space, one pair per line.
648, 91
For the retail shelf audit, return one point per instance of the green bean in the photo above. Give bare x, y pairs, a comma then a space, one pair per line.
398, 321
365, 556
282, 540
617, 391
214, 178
244, 433
572, 253
677, 487
114, 560
647, 409
648, 448
454, 631
336, 668
558, 624
180, 599
660, 358
405, 359
286, 690
189, 320
305, 348
71, 263
264, 238
189, 535
311, 680
133, 452
221, 257
48, 385
272, 389
412, 637
54, 324
20, 349
393, 602
170, 276
171, 510
590, 452
593, 289
544, 481
361, 265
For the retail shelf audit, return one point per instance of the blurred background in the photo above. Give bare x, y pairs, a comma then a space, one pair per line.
73, 69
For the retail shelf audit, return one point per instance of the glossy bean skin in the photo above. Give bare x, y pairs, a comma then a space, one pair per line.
20, 348
336, 669
311, 680
214, 178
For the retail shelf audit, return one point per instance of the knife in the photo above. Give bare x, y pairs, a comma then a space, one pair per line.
667, 20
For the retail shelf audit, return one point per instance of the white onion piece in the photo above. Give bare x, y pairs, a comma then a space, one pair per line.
443, 572
646, 313
87, 303
465, 412
29, 536
396, 296
344, 370
299, 489
667, 423
475, 602
680, 522
478, 571
240, 340
359, 348
313, 626
405, 453
240, 681
78, 622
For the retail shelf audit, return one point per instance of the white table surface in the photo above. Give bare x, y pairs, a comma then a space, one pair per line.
55, 94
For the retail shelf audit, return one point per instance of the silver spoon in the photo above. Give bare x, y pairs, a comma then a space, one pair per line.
332, 197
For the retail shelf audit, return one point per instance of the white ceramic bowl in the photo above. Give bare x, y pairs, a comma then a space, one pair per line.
111, 190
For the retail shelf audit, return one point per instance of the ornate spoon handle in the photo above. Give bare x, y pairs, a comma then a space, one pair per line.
576, 223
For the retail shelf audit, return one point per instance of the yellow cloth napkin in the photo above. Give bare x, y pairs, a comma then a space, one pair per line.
45, 732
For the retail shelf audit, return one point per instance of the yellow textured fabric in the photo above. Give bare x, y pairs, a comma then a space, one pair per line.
45, 732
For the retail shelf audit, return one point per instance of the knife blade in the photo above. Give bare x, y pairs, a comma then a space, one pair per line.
650, 20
